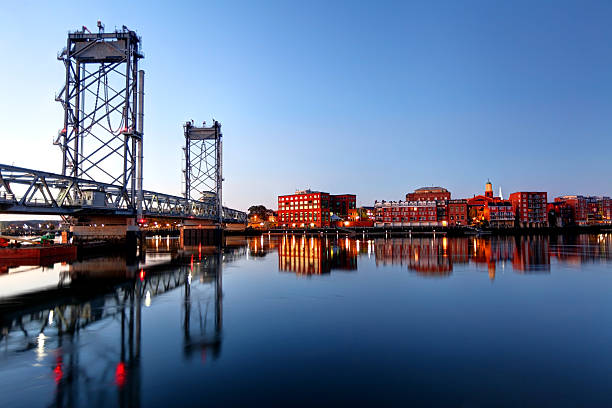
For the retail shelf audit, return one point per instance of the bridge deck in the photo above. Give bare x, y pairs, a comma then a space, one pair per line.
28, 191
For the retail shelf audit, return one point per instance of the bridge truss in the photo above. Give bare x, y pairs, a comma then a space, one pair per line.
27, 191
102, 142
102, 117
203, 163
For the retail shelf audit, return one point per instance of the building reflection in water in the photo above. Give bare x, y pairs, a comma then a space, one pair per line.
579, 249
487, 252
431, 257
110, 291
531, 254
316, 255
428, 256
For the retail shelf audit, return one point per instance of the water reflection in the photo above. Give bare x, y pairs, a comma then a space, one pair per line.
107, 295
80, 341
431, 257
315, 256
425, 256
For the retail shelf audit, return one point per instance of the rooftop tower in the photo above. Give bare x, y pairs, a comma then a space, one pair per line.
489, 189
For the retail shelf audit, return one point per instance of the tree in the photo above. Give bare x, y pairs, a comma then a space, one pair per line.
259, 210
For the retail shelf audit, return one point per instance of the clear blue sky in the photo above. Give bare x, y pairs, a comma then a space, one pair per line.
372, 98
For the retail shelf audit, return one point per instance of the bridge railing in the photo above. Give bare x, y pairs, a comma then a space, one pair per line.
25, 190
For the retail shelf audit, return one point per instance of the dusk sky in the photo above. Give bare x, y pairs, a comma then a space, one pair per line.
375, 98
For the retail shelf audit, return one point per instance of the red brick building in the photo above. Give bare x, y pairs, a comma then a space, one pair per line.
586, 210
429, 194
578, 205
438, 194
312, 209
304, 209
406, 213
342, 204
530, 208
499, 213
457, 213
605, 208
560, 214
487, 209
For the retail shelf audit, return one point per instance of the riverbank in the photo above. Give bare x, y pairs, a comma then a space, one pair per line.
449, 231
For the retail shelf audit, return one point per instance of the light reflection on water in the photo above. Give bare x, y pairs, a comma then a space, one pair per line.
192, 325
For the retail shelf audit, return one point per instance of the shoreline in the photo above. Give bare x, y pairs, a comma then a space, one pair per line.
447, 231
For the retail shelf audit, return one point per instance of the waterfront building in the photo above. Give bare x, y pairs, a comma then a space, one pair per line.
361, 214
313, 209
499, 213
530, 208
605, 208
579, 208
457, 213
599, 210
438, 194
369, 212
586, 210
429, 194
342, 204
406, 214
489, 210
560, 214
304, 208
262, 221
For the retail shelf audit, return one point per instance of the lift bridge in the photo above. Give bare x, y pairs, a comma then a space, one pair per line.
102, 146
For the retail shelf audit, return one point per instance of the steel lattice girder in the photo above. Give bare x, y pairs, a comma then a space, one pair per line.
37, 192
101, 88
203, 163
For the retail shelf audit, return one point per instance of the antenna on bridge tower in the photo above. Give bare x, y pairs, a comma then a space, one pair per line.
203, 165
102, 122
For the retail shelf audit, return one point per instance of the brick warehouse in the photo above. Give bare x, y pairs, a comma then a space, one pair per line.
438, 194
487, 209
312, 209
406, 213
457, 213
530, 208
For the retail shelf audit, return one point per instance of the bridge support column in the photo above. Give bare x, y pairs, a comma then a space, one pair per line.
107, 231
194, 233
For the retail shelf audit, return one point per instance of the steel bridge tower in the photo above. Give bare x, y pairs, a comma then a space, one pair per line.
103, 111
203, 165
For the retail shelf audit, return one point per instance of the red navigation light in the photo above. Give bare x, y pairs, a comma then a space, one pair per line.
142, 221
142, 274
59, 373
120, 374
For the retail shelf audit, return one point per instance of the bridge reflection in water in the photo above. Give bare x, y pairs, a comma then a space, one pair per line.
108, 293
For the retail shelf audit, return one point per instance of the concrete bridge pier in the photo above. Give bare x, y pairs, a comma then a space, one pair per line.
120, 232
196, 232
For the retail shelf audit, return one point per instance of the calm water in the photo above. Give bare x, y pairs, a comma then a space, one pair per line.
296, 321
